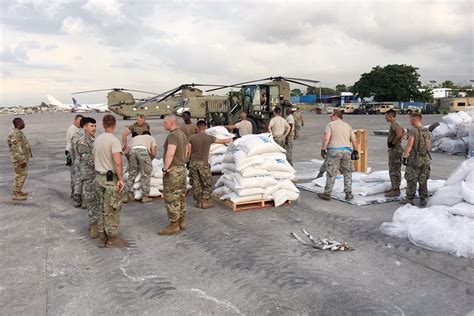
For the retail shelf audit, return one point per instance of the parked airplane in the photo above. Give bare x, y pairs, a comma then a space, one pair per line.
76, 106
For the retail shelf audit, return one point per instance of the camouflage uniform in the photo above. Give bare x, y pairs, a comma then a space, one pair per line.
76, 165
136, 129
140, 161
110, 204
289, 143
201, 177
280, 140
87, 176
338, 160
298, 123
20, 153
395, 153
418, 164
174, 192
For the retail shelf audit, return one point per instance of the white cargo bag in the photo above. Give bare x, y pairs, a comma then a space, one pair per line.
138, 195
288, 185
156, 182
281, 196
154, 192
448, 195
281, 165
223, 190
215, 159
240, 199
461, 172
467, 191
217, 149
259, 144
252, 182
254, 172
283, 175
463, 208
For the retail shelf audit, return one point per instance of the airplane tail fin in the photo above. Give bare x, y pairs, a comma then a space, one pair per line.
75, 102
53, 101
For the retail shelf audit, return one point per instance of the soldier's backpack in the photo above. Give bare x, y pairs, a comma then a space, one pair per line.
424, 136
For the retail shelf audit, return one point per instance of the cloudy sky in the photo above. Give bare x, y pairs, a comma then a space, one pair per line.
57, 47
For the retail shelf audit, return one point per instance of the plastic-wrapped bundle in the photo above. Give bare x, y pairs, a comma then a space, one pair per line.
217, 151
450, 135
255, 168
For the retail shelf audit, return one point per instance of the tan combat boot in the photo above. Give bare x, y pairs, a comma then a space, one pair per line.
206, 204
93, 231
114, 242
102, 240
198, 204
182, 222
17, 196
124, 198
147, 199
349, 196
172, 229
77, 200
407, 201
130, 196
423, 202
324, 196
23, 193
393, 193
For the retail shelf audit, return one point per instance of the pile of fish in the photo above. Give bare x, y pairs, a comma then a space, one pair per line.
322, 244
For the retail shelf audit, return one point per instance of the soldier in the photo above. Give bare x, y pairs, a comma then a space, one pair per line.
291, 135
299, 122
416, 158
76, 166
188, 128
200, 173
142, 151
279, 128
76, 124
109, 183
20, 154
87, 174
337, 140
244, 126
394, 141
174, 176
135, 129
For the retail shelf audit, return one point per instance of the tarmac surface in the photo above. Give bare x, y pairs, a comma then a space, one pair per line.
225, 263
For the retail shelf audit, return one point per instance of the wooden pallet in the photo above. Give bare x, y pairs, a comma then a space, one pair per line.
246, 206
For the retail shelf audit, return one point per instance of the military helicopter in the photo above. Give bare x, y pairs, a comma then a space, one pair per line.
256, 99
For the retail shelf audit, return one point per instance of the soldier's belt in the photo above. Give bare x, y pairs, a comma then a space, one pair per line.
139, 147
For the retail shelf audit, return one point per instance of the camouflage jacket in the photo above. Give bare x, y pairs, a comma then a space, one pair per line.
74, 141
298, 118
20, 150
85, 157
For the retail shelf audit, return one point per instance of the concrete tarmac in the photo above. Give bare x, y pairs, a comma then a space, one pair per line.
225, 263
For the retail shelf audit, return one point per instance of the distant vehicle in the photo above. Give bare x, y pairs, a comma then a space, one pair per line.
381, 108
75, 106
349, 108
331, 109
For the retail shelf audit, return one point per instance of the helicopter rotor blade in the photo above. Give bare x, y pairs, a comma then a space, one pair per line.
140, 91
90, 91
115, 89
236, 85
300, 79
297, 82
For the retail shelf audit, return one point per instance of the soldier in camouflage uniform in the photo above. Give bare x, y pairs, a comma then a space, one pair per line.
174, 176
200, 173
69, 134
20, 154
394, 143
76, 165
298, 122
87, 174
135, 129
337, 140
142, 150
416, 158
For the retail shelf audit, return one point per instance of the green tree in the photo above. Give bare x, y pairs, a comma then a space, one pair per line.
296, 92
324, 91
448, 84
341, 88
391, 83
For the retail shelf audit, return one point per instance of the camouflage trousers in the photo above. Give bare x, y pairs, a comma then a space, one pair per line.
110, 205
77, 182
338, 160
91, 199
174, 192
280, 140
140, 161
417, 173
289, 148
201, 178
71, 169
20, 177
395, 166
297, 131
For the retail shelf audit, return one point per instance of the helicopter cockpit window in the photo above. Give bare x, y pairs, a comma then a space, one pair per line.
274, 96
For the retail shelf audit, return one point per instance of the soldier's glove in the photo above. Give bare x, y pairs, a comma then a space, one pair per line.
405, 161
324, 153
355, 155
68, 158
390, 145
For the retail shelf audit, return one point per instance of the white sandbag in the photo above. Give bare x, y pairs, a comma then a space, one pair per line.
222, 190
242, 160
216, 168
456, 118
252, 182
154, 192
452, 145
463, 130
283, 175
278, 155
156, 182
377, 176
281, 165
253, 172
217, 149
229, 166
470, 177
270, 190
137, 185
137, 195
288, 185
448, 195
371, 188
467, 192
215, 159
259, 144
461, 172
463, 209
444, 130
250, 191
219, 132
239, 199
281, 196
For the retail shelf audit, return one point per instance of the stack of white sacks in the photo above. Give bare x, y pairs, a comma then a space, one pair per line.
447, 224
156, 182
217, 151
452, 134
254, 169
